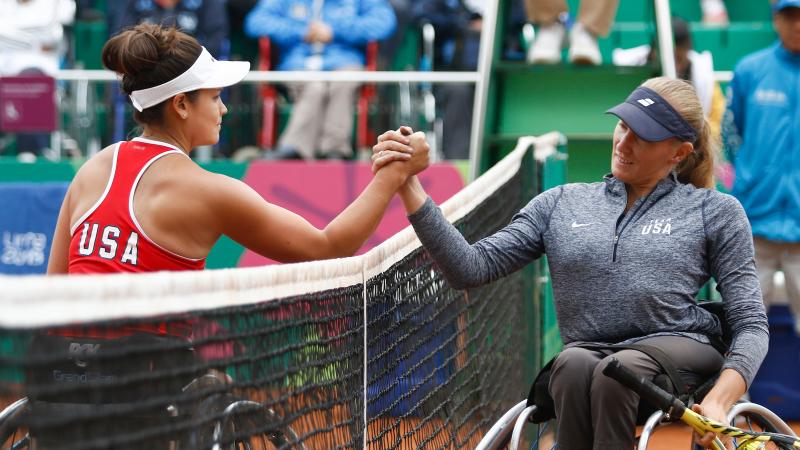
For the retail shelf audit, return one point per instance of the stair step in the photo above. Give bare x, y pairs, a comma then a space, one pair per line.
728, 45
642, 10
569, 99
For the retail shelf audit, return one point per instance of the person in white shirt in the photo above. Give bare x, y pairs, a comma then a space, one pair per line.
32, 35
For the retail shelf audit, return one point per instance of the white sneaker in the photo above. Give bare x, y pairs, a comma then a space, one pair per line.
546, 48
714, 12
583, 48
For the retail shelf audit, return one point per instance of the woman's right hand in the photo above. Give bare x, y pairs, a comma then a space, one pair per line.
401, 145
404, 145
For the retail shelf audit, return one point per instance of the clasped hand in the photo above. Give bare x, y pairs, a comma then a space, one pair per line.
401, 150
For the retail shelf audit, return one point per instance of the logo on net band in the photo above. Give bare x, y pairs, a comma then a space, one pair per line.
79, 351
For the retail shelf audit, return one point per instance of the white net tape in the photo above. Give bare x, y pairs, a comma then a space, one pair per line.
35, 301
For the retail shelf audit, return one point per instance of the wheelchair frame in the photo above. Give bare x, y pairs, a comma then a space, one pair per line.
229, 422
507, 432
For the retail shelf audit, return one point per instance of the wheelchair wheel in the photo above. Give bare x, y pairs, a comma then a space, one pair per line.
754, 417
507, 433
13, 437
249, 425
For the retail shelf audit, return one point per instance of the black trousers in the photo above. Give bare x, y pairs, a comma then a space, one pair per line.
594, 411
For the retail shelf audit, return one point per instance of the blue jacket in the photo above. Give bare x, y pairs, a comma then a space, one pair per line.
763, 141
354, 24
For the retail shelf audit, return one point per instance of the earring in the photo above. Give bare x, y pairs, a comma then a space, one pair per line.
183, 116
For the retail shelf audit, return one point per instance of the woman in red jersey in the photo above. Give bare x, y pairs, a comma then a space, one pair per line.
143, 205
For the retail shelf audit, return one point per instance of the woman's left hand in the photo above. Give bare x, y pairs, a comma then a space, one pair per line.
714, 411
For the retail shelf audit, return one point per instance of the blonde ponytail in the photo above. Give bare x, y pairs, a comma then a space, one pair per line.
698, 167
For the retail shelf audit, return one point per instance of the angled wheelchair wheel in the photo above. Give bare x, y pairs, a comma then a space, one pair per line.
507, 432
755, 417
648, 429
249, 425
13, 437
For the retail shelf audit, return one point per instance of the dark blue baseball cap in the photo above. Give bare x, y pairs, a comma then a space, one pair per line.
652, 118
782, 4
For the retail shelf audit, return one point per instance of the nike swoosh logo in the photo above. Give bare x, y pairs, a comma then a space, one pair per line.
579, 225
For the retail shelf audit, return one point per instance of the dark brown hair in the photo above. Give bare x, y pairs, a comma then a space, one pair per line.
698, 167
148, 55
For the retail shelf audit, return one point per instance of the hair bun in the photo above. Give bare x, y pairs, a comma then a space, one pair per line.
147, 55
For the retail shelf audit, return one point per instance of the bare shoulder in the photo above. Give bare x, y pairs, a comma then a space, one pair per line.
214, 185
93, 175
98, 166
194, 177
89, 182
218, 182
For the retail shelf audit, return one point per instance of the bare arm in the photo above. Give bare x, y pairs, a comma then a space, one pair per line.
57, 263
282, 235
411, 193
726, 391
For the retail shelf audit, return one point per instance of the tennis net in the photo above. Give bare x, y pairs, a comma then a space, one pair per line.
374, 351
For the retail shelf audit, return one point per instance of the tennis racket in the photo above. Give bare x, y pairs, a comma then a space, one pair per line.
673, 407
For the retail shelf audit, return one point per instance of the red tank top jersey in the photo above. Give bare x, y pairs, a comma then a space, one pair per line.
108, 238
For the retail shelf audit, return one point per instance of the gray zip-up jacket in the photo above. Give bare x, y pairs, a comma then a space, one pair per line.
621, 277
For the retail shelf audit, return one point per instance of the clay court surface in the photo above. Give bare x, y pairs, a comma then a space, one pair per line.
669, 437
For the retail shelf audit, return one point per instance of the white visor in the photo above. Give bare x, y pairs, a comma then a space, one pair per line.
205, 73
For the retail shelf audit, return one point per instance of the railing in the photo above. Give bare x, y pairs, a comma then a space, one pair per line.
666, 41
305, 76
83, 79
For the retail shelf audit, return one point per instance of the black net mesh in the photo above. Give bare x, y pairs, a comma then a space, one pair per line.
442, 365
283, 373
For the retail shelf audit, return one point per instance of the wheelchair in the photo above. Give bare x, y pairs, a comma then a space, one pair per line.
235, 424
509, 430
131, 392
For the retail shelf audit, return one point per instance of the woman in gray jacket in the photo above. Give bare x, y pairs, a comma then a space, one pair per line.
627, 257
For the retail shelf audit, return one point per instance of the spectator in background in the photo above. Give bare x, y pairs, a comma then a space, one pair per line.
389, 47
320, 35
88, 10
513, 41
458, 26
32, 35
241, 45
206, 20
762, 140
594, 19
32, 43
239, 142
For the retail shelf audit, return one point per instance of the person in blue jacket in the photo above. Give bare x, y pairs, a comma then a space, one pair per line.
320, 35
762, 137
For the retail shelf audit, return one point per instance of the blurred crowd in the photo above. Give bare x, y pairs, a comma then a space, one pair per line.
316, 120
